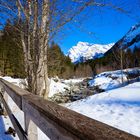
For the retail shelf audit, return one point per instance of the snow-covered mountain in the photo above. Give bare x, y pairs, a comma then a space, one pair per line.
84, 51
129, 41
132, 38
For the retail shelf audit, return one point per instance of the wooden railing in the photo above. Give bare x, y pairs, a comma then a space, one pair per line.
55, 121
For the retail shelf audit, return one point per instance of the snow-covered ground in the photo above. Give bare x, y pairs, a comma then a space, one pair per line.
5, 123
119, 108
16, 81
113, 79
55, 87
106, 81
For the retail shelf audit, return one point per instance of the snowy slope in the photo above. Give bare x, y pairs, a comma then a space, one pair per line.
84, 51
129, 41
132, 38
113, 79
119, 108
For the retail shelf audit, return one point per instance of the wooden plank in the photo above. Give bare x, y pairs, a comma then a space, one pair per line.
14, 92
20, 132
30, 128
84, 128
53, 130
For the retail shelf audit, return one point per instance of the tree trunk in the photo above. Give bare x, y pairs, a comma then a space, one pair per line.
121, 51
41, 82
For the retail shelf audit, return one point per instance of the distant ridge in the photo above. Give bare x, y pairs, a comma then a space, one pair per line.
129, 41
84, 51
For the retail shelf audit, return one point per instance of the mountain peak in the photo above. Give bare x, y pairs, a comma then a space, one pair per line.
84, 51
130, 40
133, 32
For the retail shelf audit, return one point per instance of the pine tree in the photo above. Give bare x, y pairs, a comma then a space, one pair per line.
11, 54
59, 64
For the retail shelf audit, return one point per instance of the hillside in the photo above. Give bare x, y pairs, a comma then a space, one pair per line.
129, 41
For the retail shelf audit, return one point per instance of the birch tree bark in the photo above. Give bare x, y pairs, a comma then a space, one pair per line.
42, 81
35, 45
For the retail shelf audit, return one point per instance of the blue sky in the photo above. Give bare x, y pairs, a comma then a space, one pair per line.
100, 25
103, 26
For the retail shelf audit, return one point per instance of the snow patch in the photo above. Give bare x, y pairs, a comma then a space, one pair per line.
73, 81
16, 81
57, 87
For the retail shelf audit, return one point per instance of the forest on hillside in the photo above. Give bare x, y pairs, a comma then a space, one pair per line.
12, 62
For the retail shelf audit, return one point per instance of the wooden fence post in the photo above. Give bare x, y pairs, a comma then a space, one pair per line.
30, 128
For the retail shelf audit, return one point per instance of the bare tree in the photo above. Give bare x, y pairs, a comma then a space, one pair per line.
38, 22
118, 54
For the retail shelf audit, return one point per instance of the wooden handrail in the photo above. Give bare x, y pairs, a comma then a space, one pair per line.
22, 134
60, 123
